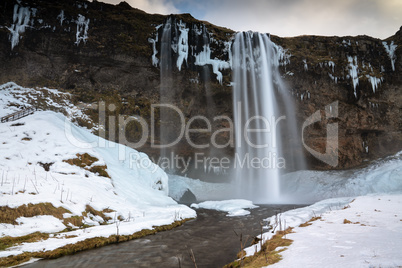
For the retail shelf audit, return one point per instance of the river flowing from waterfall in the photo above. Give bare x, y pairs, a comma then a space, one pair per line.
213, 237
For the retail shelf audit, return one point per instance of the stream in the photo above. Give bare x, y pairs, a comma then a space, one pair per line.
213, 238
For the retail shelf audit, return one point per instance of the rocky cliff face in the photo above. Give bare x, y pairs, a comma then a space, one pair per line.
114, 53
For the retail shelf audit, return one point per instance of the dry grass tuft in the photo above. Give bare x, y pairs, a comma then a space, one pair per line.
89, 209
8, 241
268, 255
15, 260
85, 161
9, 215
73, 220
308, 223
100, 170
77, 221
82, 160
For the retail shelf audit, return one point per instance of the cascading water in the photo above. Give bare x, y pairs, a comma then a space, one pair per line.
258, 152
260, 98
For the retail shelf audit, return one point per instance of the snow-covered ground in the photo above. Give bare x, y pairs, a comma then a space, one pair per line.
137, 190
366, 233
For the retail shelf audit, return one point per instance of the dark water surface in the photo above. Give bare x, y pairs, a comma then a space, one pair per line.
212, 238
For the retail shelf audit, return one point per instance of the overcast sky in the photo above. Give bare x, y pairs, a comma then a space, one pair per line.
377, 18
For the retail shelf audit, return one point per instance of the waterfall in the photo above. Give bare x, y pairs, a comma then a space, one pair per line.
258, 121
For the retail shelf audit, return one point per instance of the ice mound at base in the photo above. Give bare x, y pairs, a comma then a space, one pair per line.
234, 207
306, 187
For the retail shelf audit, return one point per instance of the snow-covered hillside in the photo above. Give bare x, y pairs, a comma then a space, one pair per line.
44, 158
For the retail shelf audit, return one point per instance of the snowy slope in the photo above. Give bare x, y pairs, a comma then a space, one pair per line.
137, 193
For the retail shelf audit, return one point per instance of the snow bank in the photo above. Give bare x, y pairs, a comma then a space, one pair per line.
25, 226
367, 233
294, 218
234, 207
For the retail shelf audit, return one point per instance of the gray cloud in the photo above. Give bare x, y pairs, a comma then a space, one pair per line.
377, 18
150, 6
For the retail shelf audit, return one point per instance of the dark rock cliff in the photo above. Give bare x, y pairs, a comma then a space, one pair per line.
113, 53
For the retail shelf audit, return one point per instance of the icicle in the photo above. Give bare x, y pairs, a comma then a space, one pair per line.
61, 17
305, 65
182, 45
21, 19
391, 52
353, 72
82, 29
332, 65
155, 60
375, 82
